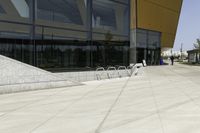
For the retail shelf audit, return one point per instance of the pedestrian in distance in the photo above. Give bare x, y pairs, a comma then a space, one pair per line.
172, 60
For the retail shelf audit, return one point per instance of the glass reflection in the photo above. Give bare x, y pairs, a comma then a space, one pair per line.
148, 46
2, 11
65, 11
55, 35
110, 16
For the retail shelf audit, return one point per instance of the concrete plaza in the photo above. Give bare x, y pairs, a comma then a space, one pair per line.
161, 99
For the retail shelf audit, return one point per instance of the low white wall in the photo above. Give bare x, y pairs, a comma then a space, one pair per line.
16, 76
93, 75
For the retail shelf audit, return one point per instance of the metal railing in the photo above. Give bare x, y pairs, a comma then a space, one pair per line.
113, 72
122, 69
134, 70
99, 72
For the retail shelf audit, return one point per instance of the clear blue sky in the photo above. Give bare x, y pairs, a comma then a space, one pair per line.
189, 25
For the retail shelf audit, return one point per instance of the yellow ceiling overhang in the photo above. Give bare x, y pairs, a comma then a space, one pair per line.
159, 15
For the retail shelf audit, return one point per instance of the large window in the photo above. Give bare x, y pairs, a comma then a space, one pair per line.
110, 33
110, 17
104, 15
22, 7
2, 11
141, 39
15, 10
61, 55
61, 19
64, 11
148, 39
153, 39
148, 46
19, 49
110, 53
16, 33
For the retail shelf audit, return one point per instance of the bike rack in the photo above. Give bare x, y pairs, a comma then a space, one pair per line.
112, 71
134, 70
111, 75
123, 68
99, 72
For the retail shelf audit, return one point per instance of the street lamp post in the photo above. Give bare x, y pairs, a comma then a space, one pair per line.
181, 50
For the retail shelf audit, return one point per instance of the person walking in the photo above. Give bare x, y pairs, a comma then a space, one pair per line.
172, 60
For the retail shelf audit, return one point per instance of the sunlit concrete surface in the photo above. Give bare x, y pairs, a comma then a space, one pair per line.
16, 76
161, 99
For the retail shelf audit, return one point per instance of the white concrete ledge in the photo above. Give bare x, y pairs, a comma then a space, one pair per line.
16, 76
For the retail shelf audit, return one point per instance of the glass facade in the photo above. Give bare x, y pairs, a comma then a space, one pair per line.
2, 11
110, 32
62, 35
63, 11
148, 45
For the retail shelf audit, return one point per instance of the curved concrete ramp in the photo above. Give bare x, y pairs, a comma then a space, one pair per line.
16, 76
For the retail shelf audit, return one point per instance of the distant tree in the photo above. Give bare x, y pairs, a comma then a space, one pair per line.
197, 46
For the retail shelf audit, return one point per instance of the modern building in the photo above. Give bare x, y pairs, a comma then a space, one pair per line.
78, 34
193, 56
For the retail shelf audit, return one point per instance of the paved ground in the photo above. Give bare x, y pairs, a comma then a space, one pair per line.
161, 99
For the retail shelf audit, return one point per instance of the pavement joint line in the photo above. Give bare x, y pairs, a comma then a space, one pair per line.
32, 102
157, 112
182, 76
66, 107
184, 93
98, 129
156, 105
152, 114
